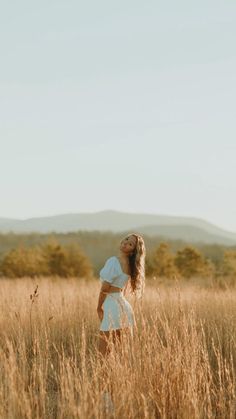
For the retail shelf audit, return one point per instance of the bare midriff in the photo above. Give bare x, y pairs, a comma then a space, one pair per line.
114, 289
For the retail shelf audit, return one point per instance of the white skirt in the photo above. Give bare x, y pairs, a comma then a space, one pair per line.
118, 312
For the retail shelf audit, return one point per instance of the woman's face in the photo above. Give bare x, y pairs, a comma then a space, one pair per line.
128, 244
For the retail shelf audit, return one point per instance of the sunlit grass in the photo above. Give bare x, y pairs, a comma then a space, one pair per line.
180, 364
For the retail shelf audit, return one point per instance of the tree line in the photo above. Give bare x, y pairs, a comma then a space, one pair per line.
190, 262
48, 259
50, 256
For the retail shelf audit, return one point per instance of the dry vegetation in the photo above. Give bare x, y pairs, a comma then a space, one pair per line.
180, 364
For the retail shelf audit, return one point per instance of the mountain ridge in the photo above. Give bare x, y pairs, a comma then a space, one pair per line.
172, 227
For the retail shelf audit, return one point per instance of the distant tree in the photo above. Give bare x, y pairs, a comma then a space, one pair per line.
190, 262
21, 262
65, 261
162, 263
78, 263
228, 266
48, 259
54, 258
226, 272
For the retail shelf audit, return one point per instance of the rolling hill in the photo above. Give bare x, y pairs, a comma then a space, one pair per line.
171, 227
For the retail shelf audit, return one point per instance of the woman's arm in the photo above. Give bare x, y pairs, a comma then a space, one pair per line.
102, 295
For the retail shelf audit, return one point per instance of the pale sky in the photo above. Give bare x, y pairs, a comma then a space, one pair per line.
127, 105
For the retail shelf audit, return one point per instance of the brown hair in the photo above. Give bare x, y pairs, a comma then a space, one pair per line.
137, 266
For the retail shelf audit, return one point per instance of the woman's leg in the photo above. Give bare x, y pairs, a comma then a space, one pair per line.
103, 349
117, 338
122, 336
103, 342
125, 331
105, 381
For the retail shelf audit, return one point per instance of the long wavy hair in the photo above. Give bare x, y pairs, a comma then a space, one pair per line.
137, 266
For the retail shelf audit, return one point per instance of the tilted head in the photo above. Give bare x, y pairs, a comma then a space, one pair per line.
133, 246
128, 244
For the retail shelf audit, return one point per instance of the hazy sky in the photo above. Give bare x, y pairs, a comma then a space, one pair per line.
126, 105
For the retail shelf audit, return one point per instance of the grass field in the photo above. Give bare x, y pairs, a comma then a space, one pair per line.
181, 362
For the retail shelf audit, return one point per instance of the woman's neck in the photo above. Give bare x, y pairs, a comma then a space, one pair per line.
123, 257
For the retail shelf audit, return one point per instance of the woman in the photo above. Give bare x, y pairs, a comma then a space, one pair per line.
127, 270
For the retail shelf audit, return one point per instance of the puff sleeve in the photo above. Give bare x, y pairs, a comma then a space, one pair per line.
109, 271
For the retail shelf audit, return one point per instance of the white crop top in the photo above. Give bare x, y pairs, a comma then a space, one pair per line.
112, 273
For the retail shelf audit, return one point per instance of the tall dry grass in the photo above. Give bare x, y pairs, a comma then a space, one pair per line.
180, 363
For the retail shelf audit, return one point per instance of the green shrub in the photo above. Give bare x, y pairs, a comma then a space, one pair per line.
49, 259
